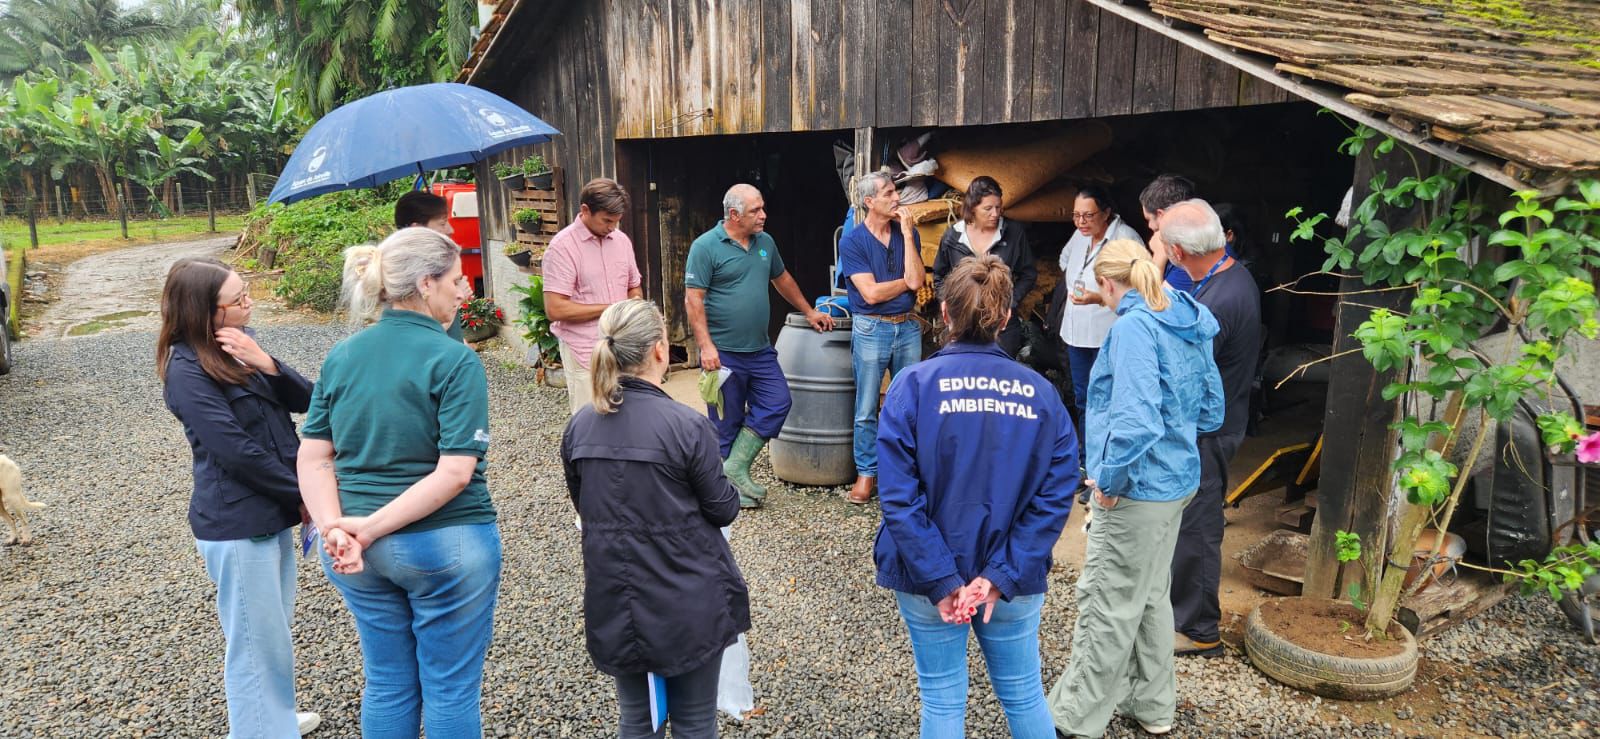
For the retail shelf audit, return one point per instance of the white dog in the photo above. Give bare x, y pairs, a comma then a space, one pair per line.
12, 502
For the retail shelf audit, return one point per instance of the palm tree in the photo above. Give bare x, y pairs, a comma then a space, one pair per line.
340, 50
40, 34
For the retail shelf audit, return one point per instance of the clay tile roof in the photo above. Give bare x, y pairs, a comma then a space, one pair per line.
1517, 81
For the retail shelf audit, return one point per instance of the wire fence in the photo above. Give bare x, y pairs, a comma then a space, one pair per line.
77, 205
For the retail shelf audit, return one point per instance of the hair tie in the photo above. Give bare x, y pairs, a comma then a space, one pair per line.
611, 341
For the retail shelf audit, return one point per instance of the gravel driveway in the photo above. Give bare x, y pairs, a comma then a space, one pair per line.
108, 628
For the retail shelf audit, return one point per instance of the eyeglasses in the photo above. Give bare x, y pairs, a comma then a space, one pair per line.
1085, 216
239, 302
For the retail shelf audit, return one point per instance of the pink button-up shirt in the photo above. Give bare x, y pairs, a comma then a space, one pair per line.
588, 270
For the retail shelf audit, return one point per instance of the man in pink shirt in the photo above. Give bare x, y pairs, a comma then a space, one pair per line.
588, 266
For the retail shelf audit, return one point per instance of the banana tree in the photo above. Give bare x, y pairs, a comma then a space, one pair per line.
156, 168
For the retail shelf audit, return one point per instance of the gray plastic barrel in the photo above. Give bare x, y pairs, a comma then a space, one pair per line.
814, 447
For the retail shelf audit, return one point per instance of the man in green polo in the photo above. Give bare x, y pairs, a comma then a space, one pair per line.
726, 299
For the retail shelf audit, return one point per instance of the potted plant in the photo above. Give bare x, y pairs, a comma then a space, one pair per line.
518, 253
538, 173
509, 174
1456, 389
480, 319
543, 346
528, 219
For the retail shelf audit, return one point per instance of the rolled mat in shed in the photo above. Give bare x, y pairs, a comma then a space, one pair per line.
1022, 165
1050, 204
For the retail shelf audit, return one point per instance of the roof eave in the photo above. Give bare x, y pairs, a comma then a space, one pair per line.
1484, 166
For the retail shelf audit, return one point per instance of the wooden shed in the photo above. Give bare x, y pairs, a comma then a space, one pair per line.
678, 99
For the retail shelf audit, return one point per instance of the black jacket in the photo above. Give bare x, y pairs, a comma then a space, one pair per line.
661, 592
244, 447
1011, 245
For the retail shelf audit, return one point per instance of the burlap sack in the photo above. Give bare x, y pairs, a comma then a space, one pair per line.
1022, 165
1050, 204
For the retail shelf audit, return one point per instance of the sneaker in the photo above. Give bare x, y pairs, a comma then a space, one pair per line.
1157, 729
1183, 646
307, 722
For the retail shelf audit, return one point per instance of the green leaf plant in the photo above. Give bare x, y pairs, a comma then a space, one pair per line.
1469, 272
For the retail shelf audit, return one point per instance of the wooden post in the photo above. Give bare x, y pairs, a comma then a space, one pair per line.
122, 215
61, 209
863, 165
250, 188
33, 224
211, 212
179, 186
1358, 446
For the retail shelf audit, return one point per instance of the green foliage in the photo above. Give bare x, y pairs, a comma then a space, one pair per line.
534, 322
534, 165
341, 50
527, 218
311, 236
1565, 568
1347, 546
503, 170
1529, 268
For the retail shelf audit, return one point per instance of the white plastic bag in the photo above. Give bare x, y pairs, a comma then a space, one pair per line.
735, 695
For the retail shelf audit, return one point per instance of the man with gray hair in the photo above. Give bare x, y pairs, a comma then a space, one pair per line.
1193, 238
726, 301
882, 264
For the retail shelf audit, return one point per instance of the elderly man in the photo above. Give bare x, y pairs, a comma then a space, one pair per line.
1194, 241
588, 266
726, 301
883, 264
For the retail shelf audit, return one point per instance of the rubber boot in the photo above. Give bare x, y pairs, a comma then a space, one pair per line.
737, 467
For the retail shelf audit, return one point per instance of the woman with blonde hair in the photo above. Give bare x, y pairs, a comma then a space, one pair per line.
960, 531
661, 593
1153, 388
392, 471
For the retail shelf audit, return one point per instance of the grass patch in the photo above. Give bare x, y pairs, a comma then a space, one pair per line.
101, 323
63, 243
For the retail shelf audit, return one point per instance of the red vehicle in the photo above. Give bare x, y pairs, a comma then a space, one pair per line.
461, 201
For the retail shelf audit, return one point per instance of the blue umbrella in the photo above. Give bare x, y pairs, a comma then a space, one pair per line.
406, 131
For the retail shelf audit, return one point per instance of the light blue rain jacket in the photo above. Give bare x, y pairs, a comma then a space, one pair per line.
1154, 386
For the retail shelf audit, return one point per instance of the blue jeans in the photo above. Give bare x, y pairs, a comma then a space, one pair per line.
1080, 360
1010, 644
877, 345
255, 600
757, 384
424, 608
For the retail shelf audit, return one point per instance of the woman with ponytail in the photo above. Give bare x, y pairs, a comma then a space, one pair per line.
661, 593
392, 470
959, 531
234, 401
1153, 389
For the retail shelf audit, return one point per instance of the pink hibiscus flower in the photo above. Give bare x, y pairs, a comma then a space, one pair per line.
1589, 448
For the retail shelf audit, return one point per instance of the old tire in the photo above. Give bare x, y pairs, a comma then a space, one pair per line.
1327, 675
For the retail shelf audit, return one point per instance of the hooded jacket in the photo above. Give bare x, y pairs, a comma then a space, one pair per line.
661, 592
977, 462
1154, 387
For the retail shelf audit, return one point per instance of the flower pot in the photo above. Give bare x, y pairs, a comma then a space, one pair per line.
1453, 549
1320, 646
514, 182
530, 228
541, 181
521, 258
475, 335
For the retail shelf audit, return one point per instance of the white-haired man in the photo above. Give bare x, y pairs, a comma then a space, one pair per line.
725, 298
1194, 240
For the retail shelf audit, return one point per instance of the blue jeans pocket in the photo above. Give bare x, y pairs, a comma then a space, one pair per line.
862, 325
427, 552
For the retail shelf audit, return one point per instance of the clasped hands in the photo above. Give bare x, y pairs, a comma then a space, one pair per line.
959, 607
345, 541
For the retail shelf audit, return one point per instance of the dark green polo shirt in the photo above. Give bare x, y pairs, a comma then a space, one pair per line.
735, 280
393, 399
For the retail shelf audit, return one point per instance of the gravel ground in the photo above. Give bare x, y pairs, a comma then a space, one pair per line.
108, 628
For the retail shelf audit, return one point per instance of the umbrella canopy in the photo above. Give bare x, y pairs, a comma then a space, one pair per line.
402, 132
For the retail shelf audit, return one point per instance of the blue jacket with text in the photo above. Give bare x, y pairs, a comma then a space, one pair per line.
977, 463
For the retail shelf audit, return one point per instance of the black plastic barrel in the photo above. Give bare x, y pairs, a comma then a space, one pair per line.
814, 447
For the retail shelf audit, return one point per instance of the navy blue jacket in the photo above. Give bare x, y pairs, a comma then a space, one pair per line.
977, 462
244, 447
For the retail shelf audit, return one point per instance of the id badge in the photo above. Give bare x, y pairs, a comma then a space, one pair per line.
1078, 288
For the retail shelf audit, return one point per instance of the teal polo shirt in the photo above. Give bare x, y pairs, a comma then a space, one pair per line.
393, 399
735, 280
